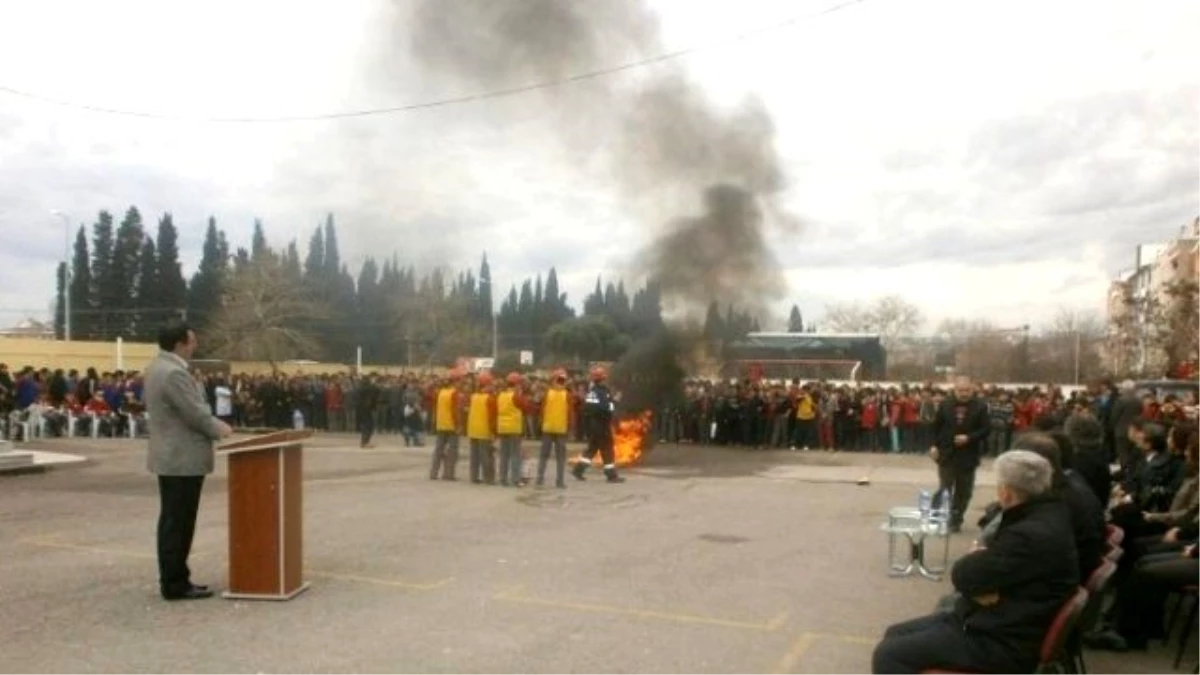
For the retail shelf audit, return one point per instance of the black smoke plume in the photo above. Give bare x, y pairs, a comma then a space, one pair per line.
665, 144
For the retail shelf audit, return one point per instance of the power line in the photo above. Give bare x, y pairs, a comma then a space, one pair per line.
439, 103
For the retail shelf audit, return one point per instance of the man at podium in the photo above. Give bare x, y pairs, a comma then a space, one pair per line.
182, 430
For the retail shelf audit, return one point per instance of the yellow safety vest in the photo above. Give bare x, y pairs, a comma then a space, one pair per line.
445, 409
510, 421
554, 412
479, 427
805, 409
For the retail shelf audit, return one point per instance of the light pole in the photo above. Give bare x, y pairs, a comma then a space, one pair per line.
66, 273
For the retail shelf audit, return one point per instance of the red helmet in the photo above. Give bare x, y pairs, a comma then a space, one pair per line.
599, 374
514, 379
484, 379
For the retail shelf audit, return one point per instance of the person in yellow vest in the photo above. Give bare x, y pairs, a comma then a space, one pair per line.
805, 435
511, 407
447, 401
481, 431
555, 424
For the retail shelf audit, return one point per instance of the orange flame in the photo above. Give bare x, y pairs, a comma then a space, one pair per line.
629, 440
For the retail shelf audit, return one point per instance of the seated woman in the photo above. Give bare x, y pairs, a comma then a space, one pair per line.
1152, 484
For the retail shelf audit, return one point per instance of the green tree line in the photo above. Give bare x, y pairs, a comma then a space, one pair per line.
276, 303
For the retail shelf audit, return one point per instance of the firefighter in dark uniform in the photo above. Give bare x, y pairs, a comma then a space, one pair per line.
598, 408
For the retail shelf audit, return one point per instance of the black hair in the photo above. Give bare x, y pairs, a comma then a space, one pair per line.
173, 334
1156, 436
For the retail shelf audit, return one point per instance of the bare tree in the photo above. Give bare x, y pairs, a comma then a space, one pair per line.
890, 316
1070, 348
263, 316
1175, 325
983, 350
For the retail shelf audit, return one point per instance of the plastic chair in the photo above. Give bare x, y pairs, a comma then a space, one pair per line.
1097, 585
1054, 654
1114, 534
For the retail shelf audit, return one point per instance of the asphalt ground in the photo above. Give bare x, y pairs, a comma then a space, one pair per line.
706, 560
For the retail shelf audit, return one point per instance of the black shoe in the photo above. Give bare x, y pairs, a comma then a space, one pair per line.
199, 587
611, 476
578, 470
193, 593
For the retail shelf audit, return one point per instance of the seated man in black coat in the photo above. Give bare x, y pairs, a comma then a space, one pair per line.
1011, 590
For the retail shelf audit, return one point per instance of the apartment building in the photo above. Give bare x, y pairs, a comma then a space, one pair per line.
1155, 268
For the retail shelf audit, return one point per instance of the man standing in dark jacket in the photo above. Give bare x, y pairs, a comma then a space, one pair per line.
1124, 411
1011, 590
960, 429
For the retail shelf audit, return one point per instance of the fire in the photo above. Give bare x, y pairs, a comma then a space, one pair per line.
629, 440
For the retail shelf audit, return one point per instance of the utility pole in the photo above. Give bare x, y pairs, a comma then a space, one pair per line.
66, 274
1077, 340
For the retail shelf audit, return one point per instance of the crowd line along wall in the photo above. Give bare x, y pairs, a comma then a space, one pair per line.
110, 356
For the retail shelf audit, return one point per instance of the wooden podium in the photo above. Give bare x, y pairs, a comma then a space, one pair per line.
266, 519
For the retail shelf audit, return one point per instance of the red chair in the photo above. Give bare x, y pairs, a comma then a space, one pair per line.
1114, 534
1097, 585
1114, 553
1054, 655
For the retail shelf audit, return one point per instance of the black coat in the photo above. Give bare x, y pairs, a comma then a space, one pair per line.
1155, 481
1124, 411
974, 421
1091, 465
1032, 565
1087, 520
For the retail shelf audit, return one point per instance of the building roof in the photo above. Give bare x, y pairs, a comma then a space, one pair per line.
29, 328
807, 340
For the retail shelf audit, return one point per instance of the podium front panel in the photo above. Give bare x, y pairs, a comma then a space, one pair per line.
255, 521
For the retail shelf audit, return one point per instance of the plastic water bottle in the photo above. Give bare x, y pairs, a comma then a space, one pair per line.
924, 503
297, 419
940, 517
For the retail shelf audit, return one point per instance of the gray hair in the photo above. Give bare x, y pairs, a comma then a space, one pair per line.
1026, 473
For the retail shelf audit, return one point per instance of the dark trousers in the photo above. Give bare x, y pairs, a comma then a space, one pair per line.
179, 501
445, 456
930, 642
1142, 598
601, 442
559, 443
366, 423
960, 481
482, 464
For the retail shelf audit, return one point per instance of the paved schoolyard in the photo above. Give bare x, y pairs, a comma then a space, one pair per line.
707, 560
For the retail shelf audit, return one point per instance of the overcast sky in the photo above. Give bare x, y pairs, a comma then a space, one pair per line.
987, 159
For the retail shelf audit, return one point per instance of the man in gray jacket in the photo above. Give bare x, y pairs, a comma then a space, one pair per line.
182, 431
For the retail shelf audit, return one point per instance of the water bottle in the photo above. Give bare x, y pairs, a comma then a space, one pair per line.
924, 502
941, 515
297, 420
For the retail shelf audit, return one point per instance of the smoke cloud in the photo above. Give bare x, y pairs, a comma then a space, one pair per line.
665, 144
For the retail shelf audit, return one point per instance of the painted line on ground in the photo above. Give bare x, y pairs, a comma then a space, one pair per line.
803, 643
795, 652
518, 596
379, 581
55, 542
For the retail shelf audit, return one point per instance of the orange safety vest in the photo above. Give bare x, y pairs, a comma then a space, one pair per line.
554, 412
479, 427
445, 409
510, 421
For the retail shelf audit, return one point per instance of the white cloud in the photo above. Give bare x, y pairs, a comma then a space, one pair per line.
986, 159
